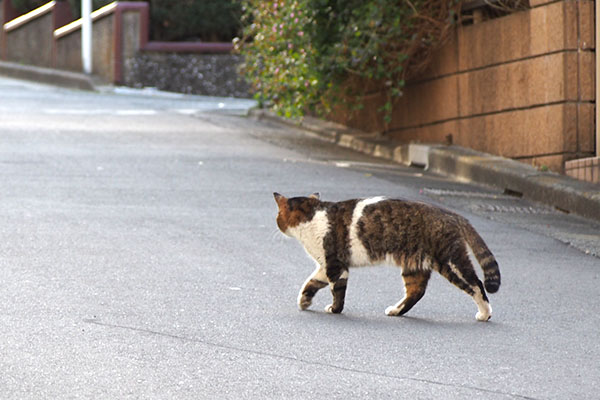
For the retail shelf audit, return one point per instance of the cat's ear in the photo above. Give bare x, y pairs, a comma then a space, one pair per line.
279, 199
315, 195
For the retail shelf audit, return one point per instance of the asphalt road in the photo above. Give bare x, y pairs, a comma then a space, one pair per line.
139, 258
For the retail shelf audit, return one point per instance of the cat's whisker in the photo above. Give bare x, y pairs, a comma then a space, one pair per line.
276, 235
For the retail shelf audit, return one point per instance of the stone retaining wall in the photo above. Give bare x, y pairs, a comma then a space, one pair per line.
205, 74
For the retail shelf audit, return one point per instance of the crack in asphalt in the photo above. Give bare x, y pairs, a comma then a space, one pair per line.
300, 360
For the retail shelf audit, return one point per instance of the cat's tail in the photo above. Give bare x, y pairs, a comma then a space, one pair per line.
484, 256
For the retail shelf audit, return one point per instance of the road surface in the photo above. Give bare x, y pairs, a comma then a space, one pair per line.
140, 258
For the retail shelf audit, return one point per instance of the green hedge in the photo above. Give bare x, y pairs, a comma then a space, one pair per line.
312, 55
171, 20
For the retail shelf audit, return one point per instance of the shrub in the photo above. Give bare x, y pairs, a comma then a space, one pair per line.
309, 55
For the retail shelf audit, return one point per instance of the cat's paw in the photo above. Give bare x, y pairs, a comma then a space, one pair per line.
329, 309
392, 311
483, 316
304, 302
484, 313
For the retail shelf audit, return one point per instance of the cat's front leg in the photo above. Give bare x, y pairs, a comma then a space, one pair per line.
338, 290
316, 281
338, 285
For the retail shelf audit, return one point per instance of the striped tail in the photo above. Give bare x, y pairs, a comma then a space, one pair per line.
486, 259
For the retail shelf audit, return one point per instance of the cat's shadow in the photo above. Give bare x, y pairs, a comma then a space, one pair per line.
372, 321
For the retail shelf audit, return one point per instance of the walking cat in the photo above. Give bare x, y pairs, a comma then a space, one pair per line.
415, 236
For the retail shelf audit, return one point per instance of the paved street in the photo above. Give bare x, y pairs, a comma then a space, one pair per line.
139, 258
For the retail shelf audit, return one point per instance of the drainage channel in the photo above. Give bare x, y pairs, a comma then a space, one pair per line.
575, 231
493, 202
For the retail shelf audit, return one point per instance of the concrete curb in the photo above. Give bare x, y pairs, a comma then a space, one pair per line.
559, 191
50, 76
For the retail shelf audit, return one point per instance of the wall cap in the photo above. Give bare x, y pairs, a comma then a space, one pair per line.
76, 25
25, 18
189, 47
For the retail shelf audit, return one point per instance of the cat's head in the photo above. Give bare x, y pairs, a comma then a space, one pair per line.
295, 210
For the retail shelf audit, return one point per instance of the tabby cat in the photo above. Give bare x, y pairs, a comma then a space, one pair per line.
415, 236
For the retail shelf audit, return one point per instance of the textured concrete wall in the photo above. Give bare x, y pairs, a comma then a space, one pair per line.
131, 39
103, 61
68, 52
31, 43
68, 49
520, 86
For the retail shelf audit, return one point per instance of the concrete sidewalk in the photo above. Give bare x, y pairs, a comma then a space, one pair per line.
50, 76
559, 191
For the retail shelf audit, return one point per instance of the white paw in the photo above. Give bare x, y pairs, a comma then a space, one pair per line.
329, 309
484, 313
483, 316
392, 311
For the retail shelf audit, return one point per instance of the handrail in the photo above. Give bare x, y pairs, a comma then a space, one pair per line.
23, 19
75, 25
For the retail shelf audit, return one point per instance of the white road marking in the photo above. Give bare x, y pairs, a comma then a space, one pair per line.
74, 111
136, 112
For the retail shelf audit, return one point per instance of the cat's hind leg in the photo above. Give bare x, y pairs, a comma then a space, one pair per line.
461, 273
316, 281
415, 284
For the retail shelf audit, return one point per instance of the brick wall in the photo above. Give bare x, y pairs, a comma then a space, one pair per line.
519, 86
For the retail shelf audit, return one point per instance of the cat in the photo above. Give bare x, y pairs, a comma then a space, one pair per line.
415, 236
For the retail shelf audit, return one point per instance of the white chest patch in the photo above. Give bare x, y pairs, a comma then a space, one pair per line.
311, 235
358, 253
